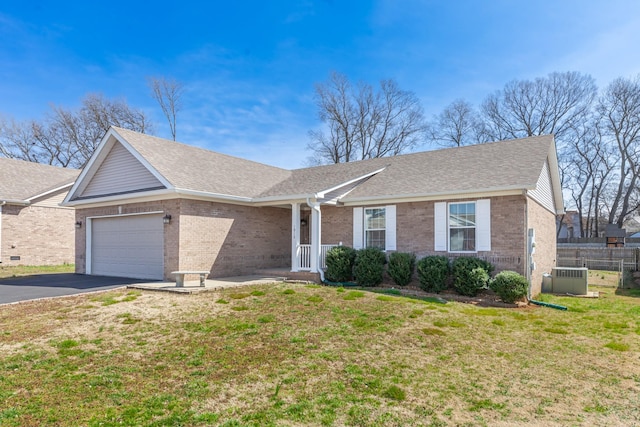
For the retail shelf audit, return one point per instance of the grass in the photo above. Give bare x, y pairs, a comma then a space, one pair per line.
604, 278
287, 354
26, 270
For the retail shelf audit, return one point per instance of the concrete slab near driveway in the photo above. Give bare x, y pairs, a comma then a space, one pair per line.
24, 288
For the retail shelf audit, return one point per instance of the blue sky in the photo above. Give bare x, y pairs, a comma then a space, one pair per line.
249, 67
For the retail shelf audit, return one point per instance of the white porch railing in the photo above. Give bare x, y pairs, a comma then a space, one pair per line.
304, 256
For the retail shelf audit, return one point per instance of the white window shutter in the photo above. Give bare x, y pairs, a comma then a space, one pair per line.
440, 226
358, 229
390, 226
483, 225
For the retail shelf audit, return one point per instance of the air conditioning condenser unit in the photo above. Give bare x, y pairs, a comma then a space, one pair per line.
567, 280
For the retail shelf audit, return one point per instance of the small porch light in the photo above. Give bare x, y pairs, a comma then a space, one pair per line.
303, 222
78, 224
166, 219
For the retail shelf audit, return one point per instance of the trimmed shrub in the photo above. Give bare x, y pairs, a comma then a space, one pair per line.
401, 266
468, 277
433, 272
369, 266
510, 286
339, 263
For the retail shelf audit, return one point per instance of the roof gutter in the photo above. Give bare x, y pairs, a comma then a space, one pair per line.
498, 191
286, 198
166, 193
53, 190
228, 197
14, 202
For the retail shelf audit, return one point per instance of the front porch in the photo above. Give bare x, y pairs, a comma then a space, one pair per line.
308, 253
304, 256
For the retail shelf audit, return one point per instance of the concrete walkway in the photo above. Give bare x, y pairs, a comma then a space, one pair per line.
193, 286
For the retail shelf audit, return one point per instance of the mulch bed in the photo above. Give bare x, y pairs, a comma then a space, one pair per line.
486, 298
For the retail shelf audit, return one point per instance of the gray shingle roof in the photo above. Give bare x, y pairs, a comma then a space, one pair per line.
513, 164
21, 180
315, 179
192, 168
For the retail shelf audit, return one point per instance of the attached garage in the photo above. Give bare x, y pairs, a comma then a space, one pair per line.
127, 246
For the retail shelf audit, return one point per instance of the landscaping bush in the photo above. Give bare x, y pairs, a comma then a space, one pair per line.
401, 266
433, 272
468, 277
369, 266
510, 286
339, 262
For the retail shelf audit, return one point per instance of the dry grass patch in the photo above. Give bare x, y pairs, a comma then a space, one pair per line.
26, 270
287, 354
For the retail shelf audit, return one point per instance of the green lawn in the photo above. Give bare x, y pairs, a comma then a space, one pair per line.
288, 354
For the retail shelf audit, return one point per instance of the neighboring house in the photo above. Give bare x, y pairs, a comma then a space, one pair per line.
34, 228
149, 206
569, 225
632, 225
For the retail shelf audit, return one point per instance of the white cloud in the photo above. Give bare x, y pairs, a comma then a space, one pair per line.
255, 120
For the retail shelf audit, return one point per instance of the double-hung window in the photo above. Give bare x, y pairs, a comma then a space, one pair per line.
375, 227
463, 226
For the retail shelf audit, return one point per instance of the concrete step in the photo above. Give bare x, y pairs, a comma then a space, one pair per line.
306, 276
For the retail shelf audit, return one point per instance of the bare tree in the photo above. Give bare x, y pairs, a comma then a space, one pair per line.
362, 123
457, 125
17, 141
588, 173
619, 110
66, 137
548, 105
168, 94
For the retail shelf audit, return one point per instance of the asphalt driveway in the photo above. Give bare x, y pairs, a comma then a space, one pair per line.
25, 288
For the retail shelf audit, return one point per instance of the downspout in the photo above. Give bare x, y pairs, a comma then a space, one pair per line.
316, 207
526, 244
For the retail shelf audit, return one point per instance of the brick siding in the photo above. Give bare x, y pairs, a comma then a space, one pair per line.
38, 235
225, 239
544, 224
415, 230
233, 240
337, 225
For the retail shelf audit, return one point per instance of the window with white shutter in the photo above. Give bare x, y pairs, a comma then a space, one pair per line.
358, 241
375, 228
462, 226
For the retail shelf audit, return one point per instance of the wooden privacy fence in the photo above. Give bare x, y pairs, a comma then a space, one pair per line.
599, 258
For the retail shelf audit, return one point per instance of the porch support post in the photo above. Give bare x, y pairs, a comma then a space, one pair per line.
295, 237
316, 233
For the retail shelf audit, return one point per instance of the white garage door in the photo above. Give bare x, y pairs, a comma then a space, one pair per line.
129, 246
